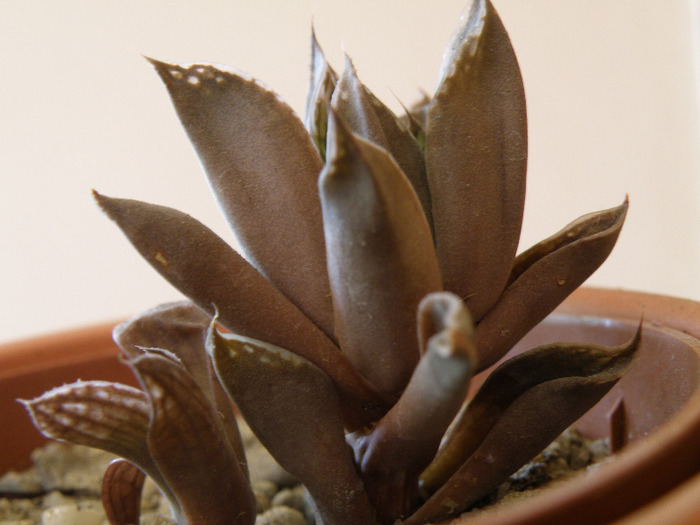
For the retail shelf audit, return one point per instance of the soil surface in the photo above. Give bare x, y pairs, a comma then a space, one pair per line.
62, 488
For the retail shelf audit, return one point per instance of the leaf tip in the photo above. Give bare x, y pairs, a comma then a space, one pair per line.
105, 203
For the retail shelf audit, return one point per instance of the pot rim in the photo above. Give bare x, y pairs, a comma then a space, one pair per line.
676, 316
46, 351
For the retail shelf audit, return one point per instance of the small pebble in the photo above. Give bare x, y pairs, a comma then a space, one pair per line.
281, 516
288, 505
12, 510
154, 519
262, 501
85, 513
26, 482
265, 486
295, 498
64, 467
56, 499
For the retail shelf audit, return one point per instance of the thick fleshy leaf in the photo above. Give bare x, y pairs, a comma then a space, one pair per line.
394, 452
523, 405
262, 166
381, 260
174, 244
98, 414
476, 156
406, 150
292, 407
368, 118
178, 327
351, 103
321, 85
191, 449
181, 328
544, 276
121, 492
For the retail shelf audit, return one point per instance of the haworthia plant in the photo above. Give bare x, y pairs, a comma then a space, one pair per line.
378, 274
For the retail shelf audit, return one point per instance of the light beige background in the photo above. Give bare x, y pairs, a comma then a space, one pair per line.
613, 107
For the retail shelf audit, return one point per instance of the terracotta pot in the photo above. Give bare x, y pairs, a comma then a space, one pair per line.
661, 419
29, 368
660, 423
680, 506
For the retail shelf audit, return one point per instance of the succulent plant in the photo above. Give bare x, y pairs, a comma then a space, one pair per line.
378, 274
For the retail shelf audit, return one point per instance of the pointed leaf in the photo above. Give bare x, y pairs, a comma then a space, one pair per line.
523, 405
381, 260
262, 166
121, 492
181, 328
173, 243
191, 449
98, 414
406, 150
321, 85
292, 407
392, 455
416, 118
353, 106
476, 155
368, 118
544, 276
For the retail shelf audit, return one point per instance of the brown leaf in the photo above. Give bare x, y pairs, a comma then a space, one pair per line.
381, 260
181, 328
544, 276
367, 117
321, 85
99, 414
352, 104
523, 405
190, 447
395, 451
178, 327
293, 408
173, 243
121, 492
262, 166
406, 150
416, 118
476, 155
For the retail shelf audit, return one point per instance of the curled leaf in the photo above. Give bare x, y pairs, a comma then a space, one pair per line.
193, 454
293, 408
381, 260
395, 451
262, 166
121, 492
178, 327
181, 327
476, 156
523, 405
99, 414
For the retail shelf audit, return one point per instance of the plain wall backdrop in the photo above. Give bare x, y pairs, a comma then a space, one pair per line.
612, 92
